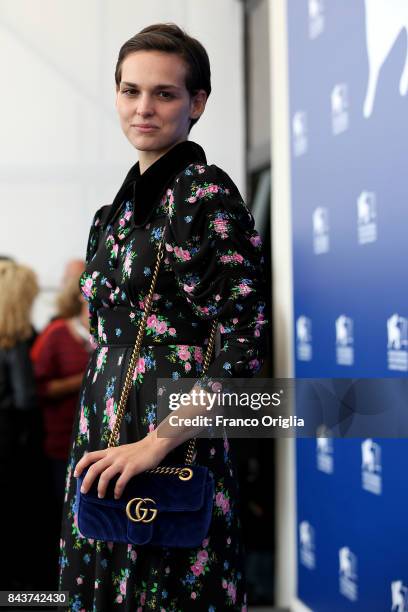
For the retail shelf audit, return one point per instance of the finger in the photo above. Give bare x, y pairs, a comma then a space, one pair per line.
87, 459
123, 480
105, 477
93, 472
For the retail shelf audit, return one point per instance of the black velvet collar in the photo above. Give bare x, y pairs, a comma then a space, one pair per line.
146, 188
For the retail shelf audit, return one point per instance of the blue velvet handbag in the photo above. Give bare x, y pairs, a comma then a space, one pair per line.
165, 506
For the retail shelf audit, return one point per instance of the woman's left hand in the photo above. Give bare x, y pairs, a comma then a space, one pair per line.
126, 459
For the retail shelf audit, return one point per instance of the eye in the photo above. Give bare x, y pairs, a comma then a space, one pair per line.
167, 95
129, 92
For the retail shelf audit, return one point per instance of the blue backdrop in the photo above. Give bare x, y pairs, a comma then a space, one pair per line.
348, 75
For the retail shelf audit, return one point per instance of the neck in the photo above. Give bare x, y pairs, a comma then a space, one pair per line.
147, 158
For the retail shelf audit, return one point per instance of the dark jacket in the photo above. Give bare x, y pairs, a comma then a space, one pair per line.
17, 386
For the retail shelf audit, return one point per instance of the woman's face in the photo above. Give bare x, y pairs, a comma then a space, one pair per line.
152, 92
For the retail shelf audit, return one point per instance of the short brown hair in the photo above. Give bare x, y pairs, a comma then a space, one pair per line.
169, 38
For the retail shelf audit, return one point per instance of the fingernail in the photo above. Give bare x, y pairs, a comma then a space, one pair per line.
75, 473
82, 489
100, 495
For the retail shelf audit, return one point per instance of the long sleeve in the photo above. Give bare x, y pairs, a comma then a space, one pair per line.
216, 255
87, 280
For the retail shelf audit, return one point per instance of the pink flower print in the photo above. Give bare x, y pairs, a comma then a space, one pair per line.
221, 227
128, 214
87, 287
119, 599
255, 240
121, 222
192, 200
234, 258
257, 333
216, 387
79, 580
183, 352
244, 289
224, 583
212, 451
193, 595
133, 555
219, 500
93, 342
143, 598
140, 367
253, 364
188, 288
182, 254
203, 309
202, 556
115, 249
217, 297
187, 366
197, 569
213, 188
200, 192
169, 248
226, 505
83, 425
235, 320
222, 329
151, 321
122, 586
110, 545
205, 543
172, 331
96, 585
161, 327
110, 411
101, 355
226, 444
228, 540
198, 354
232, 591
151, 427
128, 263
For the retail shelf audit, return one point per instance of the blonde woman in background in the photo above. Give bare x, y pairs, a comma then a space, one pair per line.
18, 289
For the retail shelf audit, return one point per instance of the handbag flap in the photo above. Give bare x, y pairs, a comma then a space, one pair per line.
168, 492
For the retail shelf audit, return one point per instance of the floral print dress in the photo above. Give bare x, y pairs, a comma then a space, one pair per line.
212, 269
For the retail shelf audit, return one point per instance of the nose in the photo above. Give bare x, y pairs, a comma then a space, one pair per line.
145, 105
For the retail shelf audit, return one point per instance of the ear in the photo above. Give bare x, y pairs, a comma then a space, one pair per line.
198, 102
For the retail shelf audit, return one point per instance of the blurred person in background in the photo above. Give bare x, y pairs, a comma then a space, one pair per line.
18, 415
60, 355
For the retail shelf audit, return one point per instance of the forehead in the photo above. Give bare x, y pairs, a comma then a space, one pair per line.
149, 67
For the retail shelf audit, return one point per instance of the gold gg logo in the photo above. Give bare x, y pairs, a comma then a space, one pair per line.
143, 512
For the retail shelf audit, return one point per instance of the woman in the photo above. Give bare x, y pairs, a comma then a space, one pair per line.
60, 356
18, 289
212, 270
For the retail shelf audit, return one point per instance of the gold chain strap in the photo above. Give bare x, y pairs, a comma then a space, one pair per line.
183, 473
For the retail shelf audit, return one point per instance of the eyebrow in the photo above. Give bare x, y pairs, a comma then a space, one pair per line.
160, 86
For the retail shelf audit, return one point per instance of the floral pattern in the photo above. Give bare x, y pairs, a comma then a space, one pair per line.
212, 268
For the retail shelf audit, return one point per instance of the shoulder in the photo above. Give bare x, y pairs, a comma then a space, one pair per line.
49, 336
100, 216
206, 190
211, 178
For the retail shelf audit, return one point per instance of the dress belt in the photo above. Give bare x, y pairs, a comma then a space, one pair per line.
119, 326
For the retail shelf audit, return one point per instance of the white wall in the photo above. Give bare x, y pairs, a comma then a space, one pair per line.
62, 152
